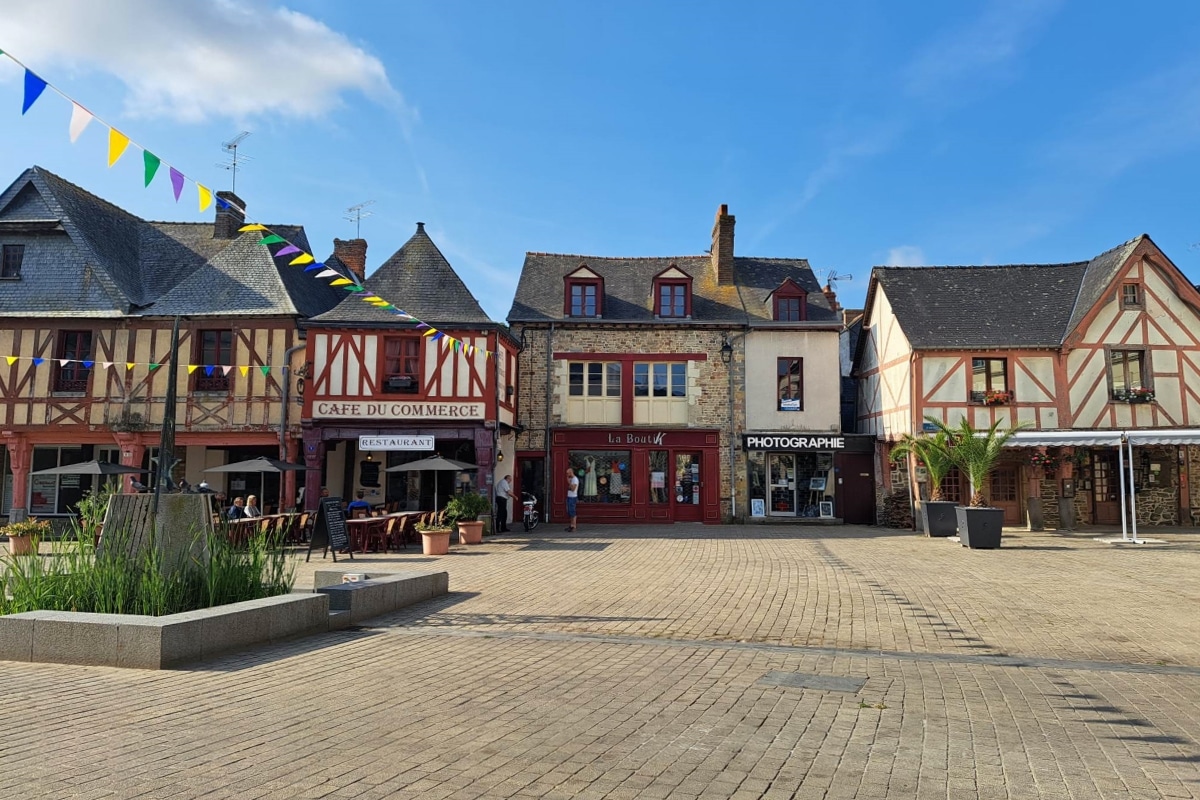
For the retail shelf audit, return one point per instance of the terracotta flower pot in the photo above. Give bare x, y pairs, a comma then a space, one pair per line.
20, 545
435, 543
470, 532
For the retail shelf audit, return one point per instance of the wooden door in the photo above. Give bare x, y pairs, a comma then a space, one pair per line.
689, 481
1106, 488
781, 475
855, 490
1006, 493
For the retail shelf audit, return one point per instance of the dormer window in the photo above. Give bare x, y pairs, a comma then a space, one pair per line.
583, 294
10, 261
673, 294
790, 303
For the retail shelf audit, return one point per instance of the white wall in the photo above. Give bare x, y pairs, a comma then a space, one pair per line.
822, 385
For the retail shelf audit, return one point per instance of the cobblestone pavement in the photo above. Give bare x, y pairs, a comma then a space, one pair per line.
674, 661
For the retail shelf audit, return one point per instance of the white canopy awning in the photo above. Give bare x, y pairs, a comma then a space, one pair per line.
1104, 438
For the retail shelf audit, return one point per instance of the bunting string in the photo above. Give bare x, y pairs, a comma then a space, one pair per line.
151, 366
119, 143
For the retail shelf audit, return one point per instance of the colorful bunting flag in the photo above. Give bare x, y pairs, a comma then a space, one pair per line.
11, 360
253, 227
265, 370
287, 251
37, 362
117, 142
176, 182
154, 367
340, 282
245, 371
152, 163
303, 258
192, 368
34, 86
273, 238
129, 365
80, 117
206, 196
208, 370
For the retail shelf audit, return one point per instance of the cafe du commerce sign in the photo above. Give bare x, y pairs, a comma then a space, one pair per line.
397, 410
793, 441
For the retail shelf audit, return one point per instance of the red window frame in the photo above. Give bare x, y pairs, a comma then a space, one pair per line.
790, 303
401, 367
571, 284
75, 347
672, 288
214, 348
789, 378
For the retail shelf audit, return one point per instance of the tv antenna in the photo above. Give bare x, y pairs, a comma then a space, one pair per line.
231, 147
833, 276
357, 214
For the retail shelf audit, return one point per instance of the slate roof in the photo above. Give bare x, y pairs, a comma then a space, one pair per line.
629, 288
1012, 306
419, 280
90, 258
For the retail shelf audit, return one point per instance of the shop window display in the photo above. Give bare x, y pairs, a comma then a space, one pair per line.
603, 475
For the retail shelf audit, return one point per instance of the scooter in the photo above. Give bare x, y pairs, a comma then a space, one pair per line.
530, 513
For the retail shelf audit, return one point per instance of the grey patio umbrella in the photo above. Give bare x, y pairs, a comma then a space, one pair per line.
260, 464
435, 464
91, 468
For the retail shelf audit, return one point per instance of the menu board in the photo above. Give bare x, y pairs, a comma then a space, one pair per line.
329, 529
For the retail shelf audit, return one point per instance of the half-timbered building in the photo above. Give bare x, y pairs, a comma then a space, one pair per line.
676, 386
384, 390
89, 294
1085, 355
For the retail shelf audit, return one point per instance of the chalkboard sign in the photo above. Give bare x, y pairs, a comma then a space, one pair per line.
329, 529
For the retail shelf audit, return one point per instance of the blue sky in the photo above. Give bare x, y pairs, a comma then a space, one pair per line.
852, 134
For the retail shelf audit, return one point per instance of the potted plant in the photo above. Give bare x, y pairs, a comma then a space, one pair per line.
975, 452
933, 452
463, 509
23, 537
1140, 394
435, 538
997, 397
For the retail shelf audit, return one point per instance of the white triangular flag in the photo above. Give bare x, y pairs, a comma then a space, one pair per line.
227, 370
329, 273
106, 364
80, 117
62, 362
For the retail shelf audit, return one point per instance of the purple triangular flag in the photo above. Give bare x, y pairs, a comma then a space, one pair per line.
34, 86
176, 182
288, 250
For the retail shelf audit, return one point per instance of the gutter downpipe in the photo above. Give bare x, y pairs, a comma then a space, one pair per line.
285, 390
730, 337
547, 468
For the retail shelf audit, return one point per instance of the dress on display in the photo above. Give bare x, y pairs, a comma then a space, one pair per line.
589, 478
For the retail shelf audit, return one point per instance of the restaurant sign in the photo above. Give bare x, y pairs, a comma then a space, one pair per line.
395, 443
791, 442
397, 410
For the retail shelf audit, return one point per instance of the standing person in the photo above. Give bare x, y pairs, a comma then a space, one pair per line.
572, 498
237, 510
503, 492
252, 509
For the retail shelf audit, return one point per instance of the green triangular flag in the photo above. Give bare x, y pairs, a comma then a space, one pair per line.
272, 239
154, 367
152, 163
265, 371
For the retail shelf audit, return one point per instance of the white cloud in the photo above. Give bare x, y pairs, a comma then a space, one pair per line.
906, 255
193, 60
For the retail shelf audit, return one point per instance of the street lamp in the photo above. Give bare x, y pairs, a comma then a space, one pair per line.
726, 351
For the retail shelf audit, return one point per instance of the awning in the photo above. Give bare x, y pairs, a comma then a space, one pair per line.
1104, 438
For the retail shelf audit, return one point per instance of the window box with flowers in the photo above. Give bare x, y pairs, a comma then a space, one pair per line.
1045, 462
997, 397
1139, 394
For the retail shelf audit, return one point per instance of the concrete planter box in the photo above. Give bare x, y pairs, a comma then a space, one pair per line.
144, 642
939, 518
980, 528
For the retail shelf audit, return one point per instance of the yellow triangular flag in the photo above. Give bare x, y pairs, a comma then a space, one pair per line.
128, 365
192, 368
341, 282
245, 371
303, 258
254, 227
205, 196
117, 142
12, 359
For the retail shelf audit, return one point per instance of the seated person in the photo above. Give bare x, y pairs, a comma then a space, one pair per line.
237, 510
358, 504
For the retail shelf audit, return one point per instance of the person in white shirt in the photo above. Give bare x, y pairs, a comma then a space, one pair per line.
572, 498
503, 492
252, 509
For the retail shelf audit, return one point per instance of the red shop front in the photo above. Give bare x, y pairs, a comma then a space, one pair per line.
638, 475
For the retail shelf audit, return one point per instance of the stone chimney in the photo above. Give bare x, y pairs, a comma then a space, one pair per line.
831, 296
352, 253
722, 246
231, 215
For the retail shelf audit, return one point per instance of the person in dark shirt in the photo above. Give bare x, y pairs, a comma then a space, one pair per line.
237, 510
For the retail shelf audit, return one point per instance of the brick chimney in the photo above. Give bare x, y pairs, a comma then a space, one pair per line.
722, 246
352, 253
231, 215
831, 296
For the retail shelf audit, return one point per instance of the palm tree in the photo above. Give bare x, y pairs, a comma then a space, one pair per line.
932, 451
975, 452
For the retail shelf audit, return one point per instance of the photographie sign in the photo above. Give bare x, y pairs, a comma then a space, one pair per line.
797, 441
395, 443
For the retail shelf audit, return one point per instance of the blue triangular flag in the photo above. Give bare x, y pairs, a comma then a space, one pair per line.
315, 265
37, 362
34, 86
208, 370
88, 364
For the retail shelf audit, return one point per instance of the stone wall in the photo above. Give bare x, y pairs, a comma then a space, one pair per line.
893, 500
1049, 494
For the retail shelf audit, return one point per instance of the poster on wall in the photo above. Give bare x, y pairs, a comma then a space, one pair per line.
43, 494
758, 507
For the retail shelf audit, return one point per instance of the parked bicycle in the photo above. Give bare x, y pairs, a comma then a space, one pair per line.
530, 513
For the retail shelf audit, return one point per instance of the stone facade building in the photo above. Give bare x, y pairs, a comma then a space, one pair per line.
637, 372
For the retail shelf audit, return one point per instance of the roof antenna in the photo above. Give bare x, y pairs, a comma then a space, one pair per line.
356, 214
231, 147
833, 276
